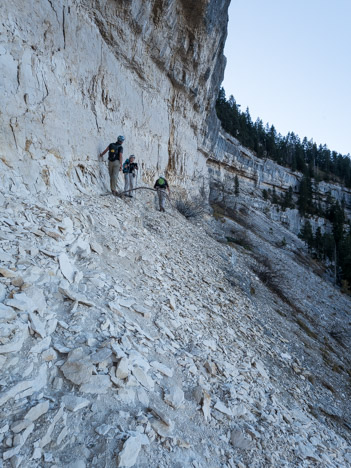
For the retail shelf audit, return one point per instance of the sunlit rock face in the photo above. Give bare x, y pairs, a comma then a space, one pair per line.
229, 158
75, 74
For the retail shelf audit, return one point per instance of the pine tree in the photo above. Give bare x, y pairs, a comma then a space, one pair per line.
306, 234
305, 199
275, 200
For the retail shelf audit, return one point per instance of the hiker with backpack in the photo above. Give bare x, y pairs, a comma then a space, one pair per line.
115, 153
161, 185
129, 170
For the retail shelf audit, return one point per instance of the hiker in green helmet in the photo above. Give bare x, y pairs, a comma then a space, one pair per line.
129, 170
115, 159
161, 185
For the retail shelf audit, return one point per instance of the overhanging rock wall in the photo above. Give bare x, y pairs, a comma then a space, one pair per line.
76, 73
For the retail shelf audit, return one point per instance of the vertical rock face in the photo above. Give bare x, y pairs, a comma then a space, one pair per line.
229, 158
78, 73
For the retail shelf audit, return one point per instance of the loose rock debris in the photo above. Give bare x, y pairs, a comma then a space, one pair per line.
122, 345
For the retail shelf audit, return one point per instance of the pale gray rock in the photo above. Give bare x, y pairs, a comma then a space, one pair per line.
37, 453
7, 273
41, 346
74, 403
143, 397
17, 340
118, 350
142, 310
219, 406
211, 344
37, 297
129, 454
175, 397
16, 461
206, 405
161, 415
103, 429
22, 302
78, 371
37, 325
46, 439
76, 297
62, 349
115, 307
162, 429
4, 428
30, 386
7, 313
99, 356
239, 441
49, 355
20, 439
81, 246
128, 303
143, 378
37, 411
62, 436
162, 368
2, 294
77, 464
97, 384
95, 247
122, 370
2, 361
18, 426
260, 368
66, 267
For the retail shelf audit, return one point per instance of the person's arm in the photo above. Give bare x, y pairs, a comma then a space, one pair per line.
120, 159
104, 152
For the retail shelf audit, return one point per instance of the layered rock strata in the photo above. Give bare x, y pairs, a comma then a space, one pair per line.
75, 74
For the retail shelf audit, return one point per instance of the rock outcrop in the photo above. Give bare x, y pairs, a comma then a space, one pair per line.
229, 159
75, 74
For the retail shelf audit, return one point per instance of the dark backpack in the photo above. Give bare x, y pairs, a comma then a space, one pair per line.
126, 166
113, 151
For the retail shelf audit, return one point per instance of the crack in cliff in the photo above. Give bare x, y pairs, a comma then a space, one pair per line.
171, 165
63, 27
18, 76
50, 2
13, 133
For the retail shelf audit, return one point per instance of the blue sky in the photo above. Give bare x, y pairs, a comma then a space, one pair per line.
289, 61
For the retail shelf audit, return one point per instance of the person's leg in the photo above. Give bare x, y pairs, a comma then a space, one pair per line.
114, 177
163, 198
110, 172
132, 183
126, 183
159, 194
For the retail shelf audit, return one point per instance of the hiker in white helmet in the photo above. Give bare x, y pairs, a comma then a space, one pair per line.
115, 159
161, 185
129, 170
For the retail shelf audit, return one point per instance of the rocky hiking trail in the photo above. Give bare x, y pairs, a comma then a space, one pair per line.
125, 342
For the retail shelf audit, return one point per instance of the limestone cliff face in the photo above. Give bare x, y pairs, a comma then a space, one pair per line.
229, 158
76, 73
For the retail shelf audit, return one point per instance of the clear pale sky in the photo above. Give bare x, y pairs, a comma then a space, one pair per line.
289, 61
